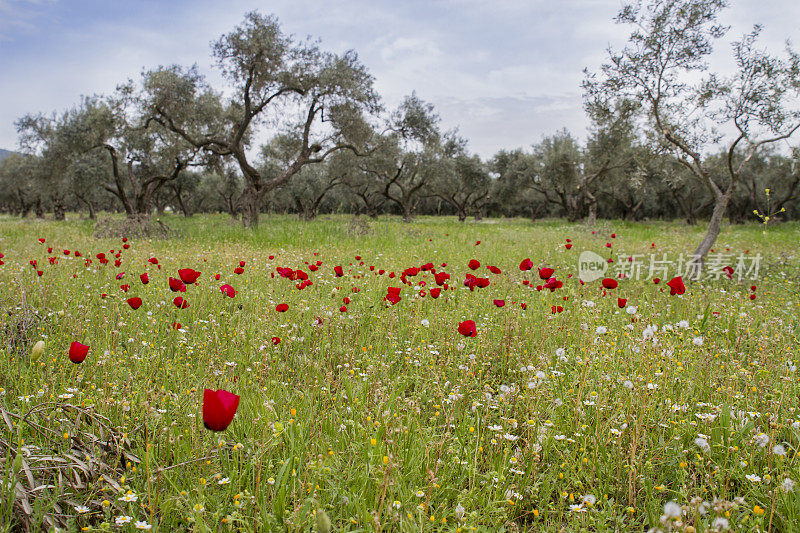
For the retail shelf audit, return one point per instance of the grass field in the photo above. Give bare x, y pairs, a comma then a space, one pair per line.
674, 412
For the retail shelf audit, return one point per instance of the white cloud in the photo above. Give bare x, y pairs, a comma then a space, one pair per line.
506, 72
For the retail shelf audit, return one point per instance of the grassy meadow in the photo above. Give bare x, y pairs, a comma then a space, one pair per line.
670, 412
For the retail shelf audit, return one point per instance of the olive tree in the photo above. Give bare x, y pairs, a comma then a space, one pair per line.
320, 98
667, 52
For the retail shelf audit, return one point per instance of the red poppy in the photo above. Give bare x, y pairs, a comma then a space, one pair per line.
282, 308
77, 352
228, 291
343, 309
124, 288
441, 277
545, 272
41, 240
238, 271
176, 325
753, 288
219, 406
180, 303
392, 295
145, 278
135, 302
676, 286
752, 296
474, 264
338, 271
609, 283
553, 284
276, 341
176, 285
556, 309
435, 292
656, 280
467, 328
523, 305
526, 264
188, 275
622, 302
494, 269
568, 246
499, 303
728, 271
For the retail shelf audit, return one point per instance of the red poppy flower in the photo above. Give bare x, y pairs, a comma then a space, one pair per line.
752, 296
526, 264
441, 277
153, 261
124, 288
180, 303
553, 284
494, 269
753, 288
276, 341
338, 271
135, 302
499, 303
176, 285
228, 291
556, 309
343, 309
176, 325
609, 283
145, 278
282, 308
656, 280
77, 352
238, 271
568, 246
728, 271
474, 264
545, 272
435, 292
219, 406
41, 240
676, 286
523, 305
467, 328
188, 275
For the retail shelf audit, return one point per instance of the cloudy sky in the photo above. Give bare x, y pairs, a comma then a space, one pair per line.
505, 72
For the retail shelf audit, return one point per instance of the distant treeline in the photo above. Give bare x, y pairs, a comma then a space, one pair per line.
655, 149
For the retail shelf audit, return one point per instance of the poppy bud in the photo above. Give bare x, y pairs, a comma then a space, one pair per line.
38, 349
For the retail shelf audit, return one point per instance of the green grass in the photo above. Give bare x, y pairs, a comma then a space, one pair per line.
385, 417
